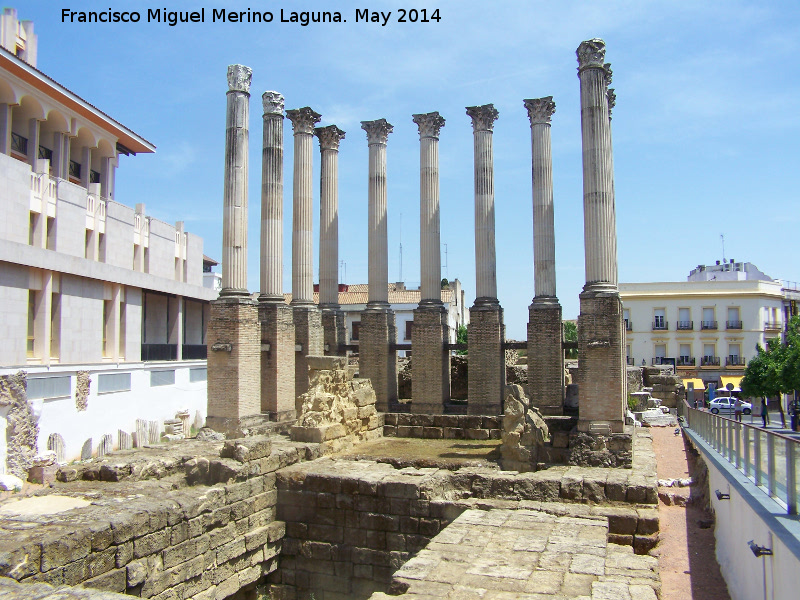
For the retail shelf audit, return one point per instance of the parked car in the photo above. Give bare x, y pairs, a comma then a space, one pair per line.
724, 404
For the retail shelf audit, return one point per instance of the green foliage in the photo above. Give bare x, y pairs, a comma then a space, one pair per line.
633, 403
461, 338
775, 369
571, 335
445, 284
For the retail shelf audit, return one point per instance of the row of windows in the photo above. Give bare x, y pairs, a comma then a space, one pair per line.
356, 326
19, 145
708, 322
61, 386
685, 356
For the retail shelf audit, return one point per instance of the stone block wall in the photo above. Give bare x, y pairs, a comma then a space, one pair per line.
667, 386
448, 427
545, 384
602, 376
486, 361
151, 535
277, 363
431, 379
234, 363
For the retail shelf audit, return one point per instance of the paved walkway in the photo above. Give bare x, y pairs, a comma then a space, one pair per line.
526, 554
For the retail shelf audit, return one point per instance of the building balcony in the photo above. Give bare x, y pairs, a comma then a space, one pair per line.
709, 361
735, 361
660, 325
630, 361
686, 361
660, 360
772, 326
685, 325
733, 324
708, 325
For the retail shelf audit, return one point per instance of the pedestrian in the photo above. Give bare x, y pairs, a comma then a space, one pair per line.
737, 409
764, 411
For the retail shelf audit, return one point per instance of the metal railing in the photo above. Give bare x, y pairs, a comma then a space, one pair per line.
708, 325
709, 361
660, 325
685, 325
772, 326
735, 361
767, 458
686, 361
733, 324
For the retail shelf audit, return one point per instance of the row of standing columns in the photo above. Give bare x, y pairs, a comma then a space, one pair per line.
288, 335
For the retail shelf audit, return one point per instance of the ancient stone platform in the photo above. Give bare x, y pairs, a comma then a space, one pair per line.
505, 554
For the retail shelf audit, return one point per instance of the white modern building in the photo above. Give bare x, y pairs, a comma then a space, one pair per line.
88, 284
708, 326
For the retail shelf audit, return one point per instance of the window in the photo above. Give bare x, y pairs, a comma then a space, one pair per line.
19, 144
356, 327
46, 153
734, 355
409, 327
74, 169
31, 322
34, 220
685, 318
113, 382
709, 356
51, 233
659, 321
101, 247
107, 353
734, 318
122, 329
94, 177
49, 387
626, 315
661, 350
198, 374
158, 378
708, 319
87, 253
685, 352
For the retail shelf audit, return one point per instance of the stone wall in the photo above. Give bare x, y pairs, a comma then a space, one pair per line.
22, 431
667, 386
150, 534
448, 427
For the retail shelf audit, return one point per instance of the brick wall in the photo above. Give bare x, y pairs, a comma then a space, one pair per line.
277, 364
486, 361
546, 357
335, 332
234, 378
431, 376
376, 361
308, 334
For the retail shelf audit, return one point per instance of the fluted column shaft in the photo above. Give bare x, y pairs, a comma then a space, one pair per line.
483, 118
377, 241
234, 219
329, 138
430, 125
599, 218
303, 120
272, 199
540, 111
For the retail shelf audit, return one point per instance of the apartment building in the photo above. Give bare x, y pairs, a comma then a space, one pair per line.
88, 284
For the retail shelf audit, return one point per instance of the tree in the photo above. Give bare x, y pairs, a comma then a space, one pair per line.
445, 284
763, 375
571, 335
461, 338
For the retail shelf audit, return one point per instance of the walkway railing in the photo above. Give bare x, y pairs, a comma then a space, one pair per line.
767, 458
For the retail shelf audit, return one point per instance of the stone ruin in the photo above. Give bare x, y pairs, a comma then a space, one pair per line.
524, 432
22, 430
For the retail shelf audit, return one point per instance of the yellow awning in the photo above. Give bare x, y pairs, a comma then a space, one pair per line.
734, 380
698, 384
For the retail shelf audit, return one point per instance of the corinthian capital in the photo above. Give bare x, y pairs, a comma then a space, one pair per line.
430, 124
483, 117
303, 119
591, 54
540, 110
329, 137
239, 78
612, 101
273, 103
377, 131
609, 73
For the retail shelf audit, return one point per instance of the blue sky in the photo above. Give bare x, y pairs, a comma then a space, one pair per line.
705, 127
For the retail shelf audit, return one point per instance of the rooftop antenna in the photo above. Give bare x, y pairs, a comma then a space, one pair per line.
722, 237
446, 271
401, 247
342, 271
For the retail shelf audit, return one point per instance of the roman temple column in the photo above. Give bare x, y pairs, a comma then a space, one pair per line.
307, 317
602, 378
486, 332
334, 333
234, 338
377, 359
545, 331
429, 334
276, 317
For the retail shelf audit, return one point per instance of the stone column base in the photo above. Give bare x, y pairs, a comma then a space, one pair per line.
308, 338
546, 356
602, 378
335, 333
485, 359
234, 359
277, 360
430, 360
377, 361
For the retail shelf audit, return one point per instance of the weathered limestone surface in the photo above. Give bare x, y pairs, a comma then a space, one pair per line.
524, 431
522, 552
337, 411
22, 431
446, 427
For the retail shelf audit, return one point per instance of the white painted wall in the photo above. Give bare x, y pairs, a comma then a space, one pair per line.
748, 577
